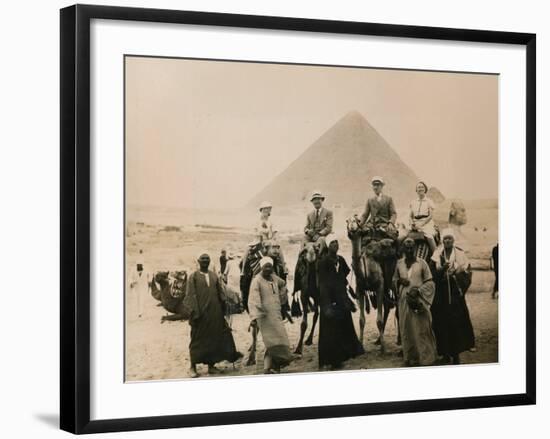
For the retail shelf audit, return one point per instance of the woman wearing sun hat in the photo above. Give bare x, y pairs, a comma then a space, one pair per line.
265, 232
421, 211
264, 228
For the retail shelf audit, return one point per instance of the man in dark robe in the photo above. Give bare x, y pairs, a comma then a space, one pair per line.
450, 316
494, 260
338, 341
223, 261
204, 304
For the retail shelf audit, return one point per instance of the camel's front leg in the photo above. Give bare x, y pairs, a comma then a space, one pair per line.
171, 318
380, 318
386, 315
362, 297
251, 360
309, 340
385, 321
303, 328
397, 324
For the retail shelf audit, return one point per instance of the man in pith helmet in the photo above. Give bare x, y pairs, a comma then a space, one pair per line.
319, 221
380, 212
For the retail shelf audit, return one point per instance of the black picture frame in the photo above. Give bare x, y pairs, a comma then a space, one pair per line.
75, 217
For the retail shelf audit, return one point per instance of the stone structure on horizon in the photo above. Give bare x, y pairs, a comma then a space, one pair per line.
341, 163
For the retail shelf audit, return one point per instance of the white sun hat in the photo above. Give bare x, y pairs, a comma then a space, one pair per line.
316, 194
377, 178
265, 204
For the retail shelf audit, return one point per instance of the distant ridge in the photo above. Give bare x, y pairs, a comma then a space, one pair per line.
341, 163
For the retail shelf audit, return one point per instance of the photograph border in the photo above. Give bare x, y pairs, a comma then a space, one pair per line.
76, 214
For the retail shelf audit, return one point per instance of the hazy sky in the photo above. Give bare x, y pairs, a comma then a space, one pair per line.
213, 134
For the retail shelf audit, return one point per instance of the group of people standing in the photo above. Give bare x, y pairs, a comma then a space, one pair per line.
434, 321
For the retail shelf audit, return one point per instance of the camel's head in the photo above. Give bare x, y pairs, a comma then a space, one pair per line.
179, 282
373, 249
274, 250
353, 224
162, 276
387, 247
179, 275
310, 251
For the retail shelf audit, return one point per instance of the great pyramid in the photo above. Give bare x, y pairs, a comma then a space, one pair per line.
341, 163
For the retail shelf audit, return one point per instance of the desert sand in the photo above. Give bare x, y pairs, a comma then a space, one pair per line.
171, 238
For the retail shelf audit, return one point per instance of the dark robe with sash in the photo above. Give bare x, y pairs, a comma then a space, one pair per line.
450, 316
494, 255
211, 338
338, 341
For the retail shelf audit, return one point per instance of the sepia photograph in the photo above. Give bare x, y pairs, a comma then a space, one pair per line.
294, 218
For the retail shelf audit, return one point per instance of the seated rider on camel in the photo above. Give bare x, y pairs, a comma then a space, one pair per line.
265, 236
318, 222
421, 216
379, 214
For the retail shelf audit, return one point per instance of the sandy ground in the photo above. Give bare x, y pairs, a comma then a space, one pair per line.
156, 351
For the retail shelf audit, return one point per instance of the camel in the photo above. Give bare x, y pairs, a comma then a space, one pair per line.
250, 268
306, 282
171, 293
155, 290
373, 265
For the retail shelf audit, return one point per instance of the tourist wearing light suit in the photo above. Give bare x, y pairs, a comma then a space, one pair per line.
319, 221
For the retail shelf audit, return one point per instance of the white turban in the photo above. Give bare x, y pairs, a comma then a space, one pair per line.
266, 260
448, 232
331, 237
203, 252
